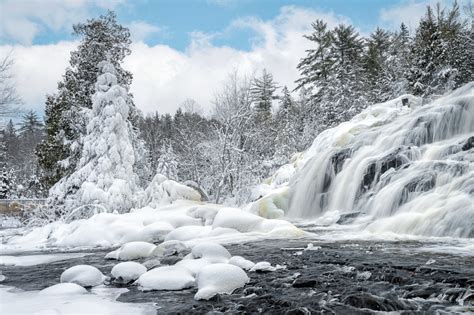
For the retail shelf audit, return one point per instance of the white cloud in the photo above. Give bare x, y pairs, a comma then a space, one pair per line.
23, 20
141, 30
408, 12
165, 77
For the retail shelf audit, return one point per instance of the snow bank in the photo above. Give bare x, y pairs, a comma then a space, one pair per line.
185, 221
219, 279
68, 302
166, 278
128, 271
83, 275
211, 251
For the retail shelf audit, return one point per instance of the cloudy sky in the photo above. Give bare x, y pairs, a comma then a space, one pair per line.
183, 49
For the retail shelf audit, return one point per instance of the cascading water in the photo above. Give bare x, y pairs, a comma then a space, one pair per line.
406, 169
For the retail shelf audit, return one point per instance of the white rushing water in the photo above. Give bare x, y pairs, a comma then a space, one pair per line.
406, 169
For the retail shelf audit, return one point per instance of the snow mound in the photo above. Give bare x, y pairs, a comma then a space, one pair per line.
131, 251
169, 248
63, 288
237, 219
213, 252
241, 262
128, 271
205, 213
162, 190
83, 275
194, 265
166, 278
154, 232
186, 233
219, 279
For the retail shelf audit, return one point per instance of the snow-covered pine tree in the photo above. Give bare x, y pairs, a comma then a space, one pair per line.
5, 182
167, 162
105, 172
263, 93
67, 110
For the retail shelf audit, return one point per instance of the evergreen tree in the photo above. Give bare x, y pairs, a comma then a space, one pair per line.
287, 133
67, 110
105, 174
262, 91
315, 68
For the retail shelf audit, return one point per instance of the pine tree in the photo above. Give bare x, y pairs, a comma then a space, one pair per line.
67, 110
5, 182
287, 134
315, 68
105, 174
262, 91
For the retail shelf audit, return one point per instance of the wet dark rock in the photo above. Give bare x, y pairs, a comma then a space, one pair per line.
298, 311
304, 283
170, 260
468, 144
348, 217
369, 301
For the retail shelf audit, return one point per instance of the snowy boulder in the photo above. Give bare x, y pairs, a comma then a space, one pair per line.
162, 190
213, 252
128, 271
166, 278
131, 251
193, 265
63, 288
170, 248
241, 262
83, 275
219, 279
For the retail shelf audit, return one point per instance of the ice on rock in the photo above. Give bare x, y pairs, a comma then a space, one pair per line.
272, 205
131, 251
219, 279
213, 252
166, 278
128, 271
169, 248
241, 262
63, 288
265, 266
83, 275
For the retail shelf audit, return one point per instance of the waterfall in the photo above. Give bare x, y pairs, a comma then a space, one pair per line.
404, 169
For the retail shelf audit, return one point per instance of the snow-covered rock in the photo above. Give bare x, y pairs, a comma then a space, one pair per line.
236, 219
272, 205
131, 251
241, 262
128, 271
219, 279
213, 252
153, 232
194, 265
166, 278
169, 248
186, 233
63, 288
83, 275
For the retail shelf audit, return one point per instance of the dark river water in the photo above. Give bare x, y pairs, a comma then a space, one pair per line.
345, 277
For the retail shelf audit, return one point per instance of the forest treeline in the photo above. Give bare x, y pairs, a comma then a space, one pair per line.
255, 124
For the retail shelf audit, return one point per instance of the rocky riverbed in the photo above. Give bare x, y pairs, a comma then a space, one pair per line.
345, 277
